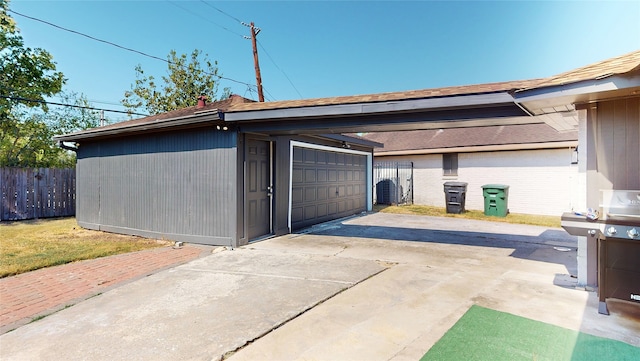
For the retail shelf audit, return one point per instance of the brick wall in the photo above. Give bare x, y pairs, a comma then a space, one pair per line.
540, 181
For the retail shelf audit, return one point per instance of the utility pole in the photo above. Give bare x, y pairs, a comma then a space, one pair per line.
255, 31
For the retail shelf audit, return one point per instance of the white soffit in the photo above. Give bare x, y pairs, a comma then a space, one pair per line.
561, 121
562, 98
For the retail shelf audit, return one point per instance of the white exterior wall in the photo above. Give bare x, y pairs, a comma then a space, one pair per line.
541, 181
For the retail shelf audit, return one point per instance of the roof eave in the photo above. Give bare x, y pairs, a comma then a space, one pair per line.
371, 108
353, 140
191, 120
547, 99
479, 148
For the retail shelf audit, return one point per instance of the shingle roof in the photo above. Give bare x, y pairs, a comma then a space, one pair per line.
467, 137
619, 65
221, 105
385, 97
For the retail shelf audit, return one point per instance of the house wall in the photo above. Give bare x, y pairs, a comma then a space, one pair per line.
176, 186
540, 181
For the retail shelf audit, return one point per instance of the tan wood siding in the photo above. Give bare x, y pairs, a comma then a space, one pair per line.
617, 144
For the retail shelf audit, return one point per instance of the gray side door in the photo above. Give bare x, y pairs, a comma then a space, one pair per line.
326, 185
258, 188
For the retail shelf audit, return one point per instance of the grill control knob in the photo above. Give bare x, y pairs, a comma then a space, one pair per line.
633, 233
611, 231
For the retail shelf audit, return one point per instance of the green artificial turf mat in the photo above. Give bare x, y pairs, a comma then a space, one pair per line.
485, 334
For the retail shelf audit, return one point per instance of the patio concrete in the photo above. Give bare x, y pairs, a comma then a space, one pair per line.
438, 273
378, 287
35, 294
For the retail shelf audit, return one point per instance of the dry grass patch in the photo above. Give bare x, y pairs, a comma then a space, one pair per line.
30, 245
535, 220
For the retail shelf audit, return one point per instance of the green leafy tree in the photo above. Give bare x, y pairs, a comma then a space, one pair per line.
25, 73
186, 79
27, 141
27, 77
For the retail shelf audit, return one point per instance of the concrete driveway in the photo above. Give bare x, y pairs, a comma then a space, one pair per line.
376, 287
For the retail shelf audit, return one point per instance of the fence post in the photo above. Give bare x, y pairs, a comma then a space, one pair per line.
36, 193
411, 183
398, 195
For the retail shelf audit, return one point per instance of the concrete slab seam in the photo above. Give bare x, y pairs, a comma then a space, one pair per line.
340, 251
275, 327
266, 275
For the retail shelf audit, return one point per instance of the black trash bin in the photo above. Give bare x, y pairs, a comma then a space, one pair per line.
455, 194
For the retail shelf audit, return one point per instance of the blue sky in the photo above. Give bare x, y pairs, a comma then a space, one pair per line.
330, 48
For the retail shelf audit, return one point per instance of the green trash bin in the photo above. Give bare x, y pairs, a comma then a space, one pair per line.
496, 198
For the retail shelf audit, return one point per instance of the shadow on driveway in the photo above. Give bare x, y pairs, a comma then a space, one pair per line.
553, 246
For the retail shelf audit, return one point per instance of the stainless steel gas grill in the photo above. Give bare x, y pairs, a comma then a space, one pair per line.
618, 235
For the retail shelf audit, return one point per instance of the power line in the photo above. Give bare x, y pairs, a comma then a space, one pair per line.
119, 46
208, 20
248, 90
231, 16
101, 102
204, 18
261, 46
270, 96
277, 67
67, 105
62, 98
161, 59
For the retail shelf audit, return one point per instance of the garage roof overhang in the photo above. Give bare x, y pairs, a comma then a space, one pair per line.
479, 148
345, 139
557, 104
467, 110
182, 122
561, 98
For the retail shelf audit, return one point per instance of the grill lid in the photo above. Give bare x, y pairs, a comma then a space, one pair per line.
620, 204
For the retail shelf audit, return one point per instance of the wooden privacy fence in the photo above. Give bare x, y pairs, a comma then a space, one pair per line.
37, 193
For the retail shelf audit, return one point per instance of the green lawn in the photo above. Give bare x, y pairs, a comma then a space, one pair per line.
33, 244
545, 221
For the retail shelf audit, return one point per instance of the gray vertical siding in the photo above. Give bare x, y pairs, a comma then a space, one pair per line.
281, 185
176, 186
88, 186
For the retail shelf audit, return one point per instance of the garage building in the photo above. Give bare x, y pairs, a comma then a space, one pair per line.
187, 175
